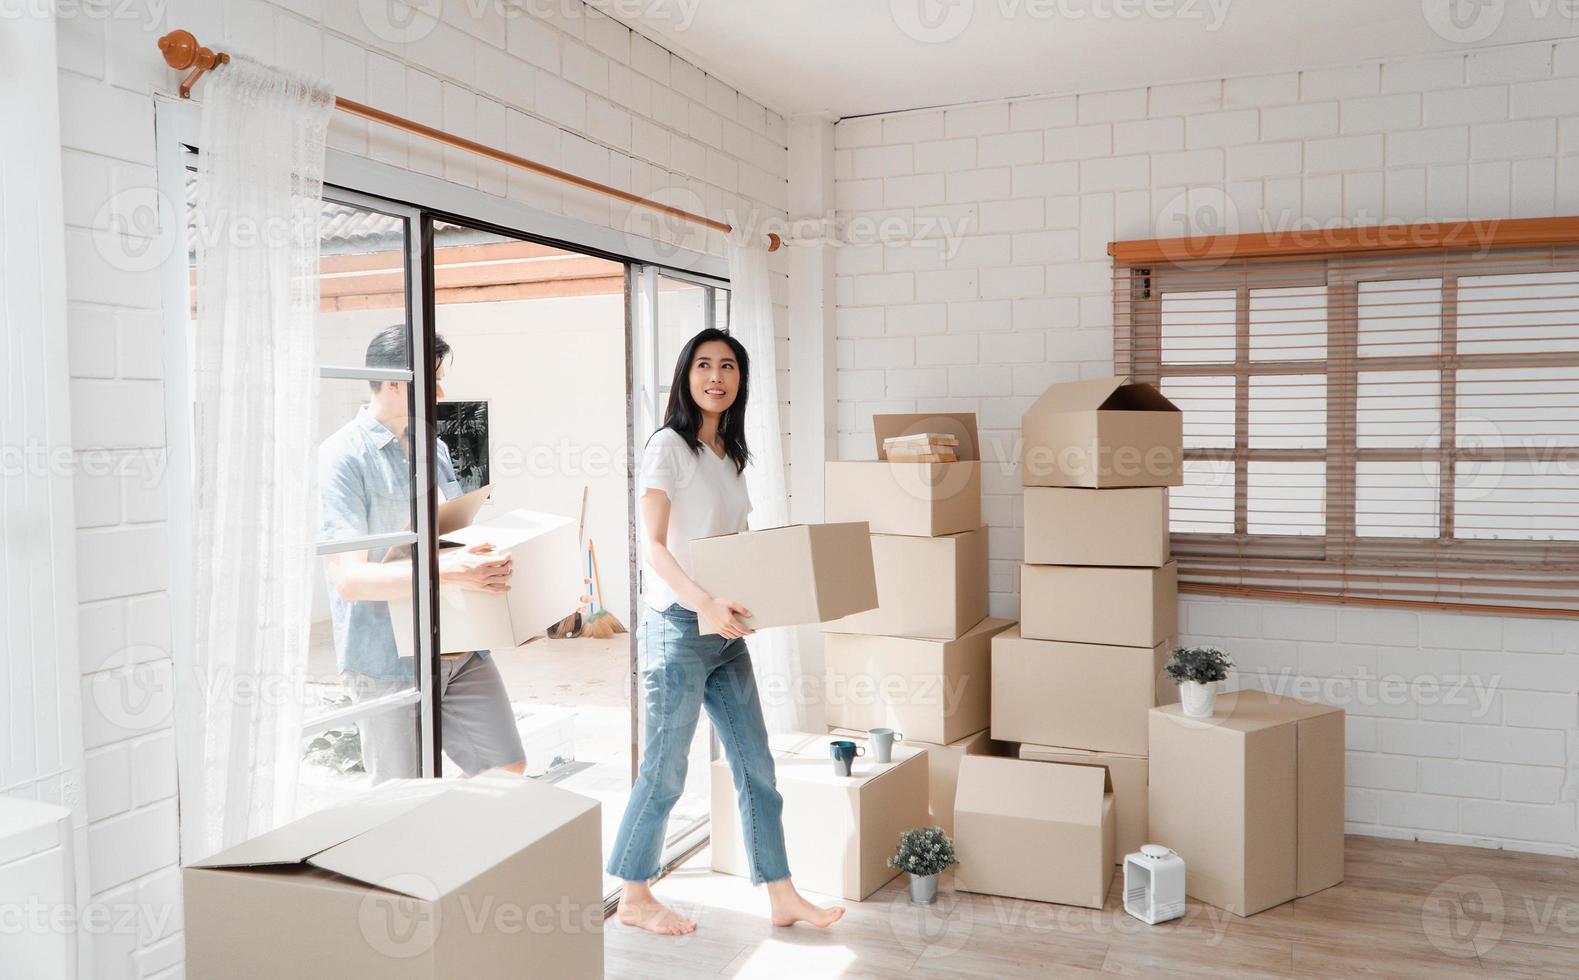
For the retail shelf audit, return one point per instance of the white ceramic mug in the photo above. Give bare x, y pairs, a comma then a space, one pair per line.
882, 742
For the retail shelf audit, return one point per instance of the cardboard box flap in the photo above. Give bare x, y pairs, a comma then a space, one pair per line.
301, 839
1054, 752
510, 529
432, 849
1110, 394
961, 425
1047, 791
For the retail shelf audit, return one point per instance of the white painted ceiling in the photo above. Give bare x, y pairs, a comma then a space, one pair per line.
853, 57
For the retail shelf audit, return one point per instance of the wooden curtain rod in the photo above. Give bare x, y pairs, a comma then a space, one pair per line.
181, 51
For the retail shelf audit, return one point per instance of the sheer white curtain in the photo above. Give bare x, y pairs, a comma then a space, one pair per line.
775, 652
259, 194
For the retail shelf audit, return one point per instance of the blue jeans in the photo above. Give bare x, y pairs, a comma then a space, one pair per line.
682, 672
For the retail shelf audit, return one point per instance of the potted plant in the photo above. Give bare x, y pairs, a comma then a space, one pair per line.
1197, 670
923, 854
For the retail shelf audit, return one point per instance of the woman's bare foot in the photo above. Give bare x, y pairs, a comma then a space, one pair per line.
640, 909
790, 907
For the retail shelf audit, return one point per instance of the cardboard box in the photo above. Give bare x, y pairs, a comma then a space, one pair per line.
935, 588
792, 575
1074, 526
416, 879
1034, 830
1133, 607
545, 585
1251, 798
839, 831
1079, 694
909, 498
1102, 433
1126, 773
942, 769
931, 690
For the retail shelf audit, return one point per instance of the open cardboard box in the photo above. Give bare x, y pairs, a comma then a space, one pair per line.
1034, 830
943, 769
1077, 526
839, 830
1078, 694
1251, 798
934, 588
789, 576
545, 586
1103, 433
923, 499
429, 879
934, 691
1127, 776
1136, 607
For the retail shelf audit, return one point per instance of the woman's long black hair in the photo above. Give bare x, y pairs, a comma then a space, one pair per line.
684, 416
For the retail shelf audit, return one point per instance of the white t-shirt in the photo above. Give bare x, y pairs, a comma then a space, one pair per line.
706, 497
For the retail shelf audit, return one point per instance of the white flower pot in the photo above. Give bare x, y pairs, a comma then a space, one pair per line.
924, 889
1199, 700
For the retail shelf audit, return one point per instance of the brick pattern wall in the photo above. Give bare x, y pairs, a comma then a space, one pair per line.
978, 275
581, 93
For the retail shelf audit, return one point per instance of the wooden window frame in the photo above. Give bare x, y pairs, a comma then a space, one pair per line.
1340, 565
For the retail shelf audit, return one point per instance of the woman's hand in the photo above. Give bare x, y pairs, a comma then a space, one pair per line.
720, 614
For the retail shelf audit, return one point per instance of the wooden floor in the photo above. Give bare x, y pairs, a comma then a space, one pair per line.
1405, 910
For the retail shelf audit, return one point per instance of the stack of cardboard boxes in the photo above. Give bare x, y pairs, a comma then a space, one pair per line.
1075, 682
920, 662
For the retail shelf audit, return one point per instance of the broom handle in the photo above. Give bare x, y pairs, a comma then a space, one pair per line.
597, 580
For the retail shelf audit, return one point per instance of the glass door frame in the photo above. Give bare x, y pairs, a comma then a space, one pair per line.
360, 180
645, 383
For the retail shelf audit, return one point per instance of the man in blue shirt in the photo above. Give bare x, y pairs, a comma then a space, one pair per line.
364, 480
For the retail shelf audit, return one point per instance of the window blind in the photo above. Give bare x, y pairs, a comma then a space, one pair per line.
1368, 424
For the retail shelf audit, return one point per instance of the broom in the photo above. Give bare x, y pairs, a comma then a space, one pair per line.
603, 623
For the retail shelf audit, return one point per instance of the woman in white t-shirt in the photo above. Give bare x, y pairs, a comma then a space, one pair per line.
693, 486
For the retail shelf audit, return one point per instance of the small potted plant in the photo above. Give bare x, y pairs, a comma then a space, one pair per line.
923, 854
1197, 670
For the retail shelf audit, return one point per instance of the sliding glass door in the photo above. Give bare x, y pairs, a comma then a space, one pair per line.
668, 308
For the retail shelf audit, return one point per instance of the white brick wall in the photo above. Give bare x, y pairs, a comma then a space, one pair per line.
1021, 298
581, 92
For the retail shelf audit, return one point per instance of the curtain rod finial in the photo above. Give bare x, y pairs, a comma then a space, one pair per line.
181, 51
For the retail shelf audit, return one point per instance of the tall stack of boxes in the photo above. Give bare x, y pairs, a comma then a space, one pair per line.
1075, 681
920, 662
